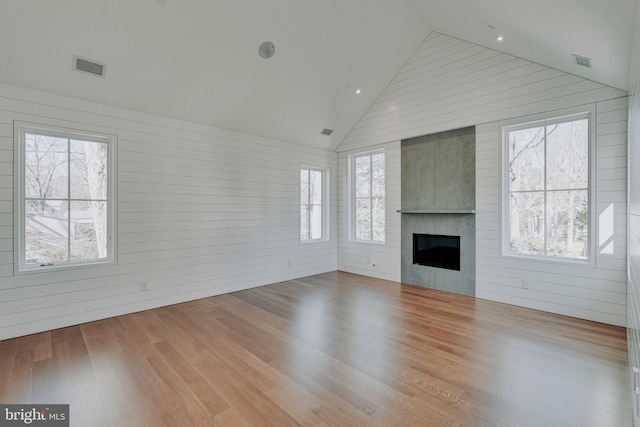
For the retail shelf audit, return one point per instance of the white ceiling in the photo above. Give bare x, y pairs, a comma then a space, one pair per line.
197, 60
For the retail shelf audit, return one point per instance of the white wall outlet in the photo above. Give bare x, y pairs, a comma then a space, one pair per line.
526, 284
289, 263
144, 286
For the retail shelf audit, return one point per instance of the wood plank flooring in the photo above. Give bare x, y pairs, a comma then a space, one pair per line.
335, 349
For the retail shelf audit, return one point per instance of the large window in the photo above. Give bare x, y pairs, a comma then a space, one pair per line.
313, 204
368, 197
547, 182
64, 197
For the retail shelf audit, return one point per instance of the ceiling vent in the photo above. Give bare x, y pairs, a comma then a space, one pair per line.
89, 67
326, 131
583, 61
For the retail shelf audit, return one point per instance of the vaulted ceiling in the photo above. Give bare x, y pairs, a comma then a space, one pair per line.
198, 60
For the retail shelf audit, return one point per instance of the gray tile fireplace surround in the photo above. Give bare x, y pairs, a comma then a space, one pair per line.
438, 197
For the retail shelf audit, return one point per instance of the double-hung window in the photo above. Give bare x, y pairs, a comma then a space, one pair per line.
64, 199
547, 202
367, 177
313, 204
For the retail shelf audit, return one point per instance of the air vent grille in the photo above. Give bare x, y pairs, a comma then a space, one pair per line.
583, 61
326, 131
90, 67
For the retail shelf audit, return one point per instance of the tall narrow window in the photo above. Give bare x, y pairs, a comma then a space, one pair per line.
368, 197
64, 198
547, 202
312, 204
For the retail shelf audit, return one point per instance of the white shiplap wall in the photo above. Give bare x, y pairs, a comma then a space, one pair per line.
589, 292
450, 83
633, 321
201, 211
372, 259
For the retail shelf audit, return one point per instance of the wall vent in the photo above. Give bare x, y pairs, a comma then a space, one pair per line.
326, 131
90, 67
583, 61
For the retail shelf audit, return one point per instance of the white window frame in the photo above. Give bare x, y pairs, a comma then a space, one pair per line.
22, 128
557, 116
352, 197
326, 174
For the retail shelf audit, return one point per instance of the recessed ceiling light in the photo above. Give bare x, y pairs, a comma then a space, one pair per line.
499, 38
358, 91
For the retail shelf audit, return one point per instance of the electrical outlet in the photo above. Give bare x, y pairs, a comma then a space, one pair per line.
289, 263
526, 284
144, 286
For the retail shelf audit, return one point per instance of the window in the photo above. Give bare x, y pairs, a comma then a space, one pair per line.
368, 197
64, 197
313, 204
547, 200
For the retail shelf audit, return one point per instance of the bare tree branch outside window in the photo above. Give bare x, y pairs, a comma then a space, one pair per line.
65, 199
548, 190
369, 197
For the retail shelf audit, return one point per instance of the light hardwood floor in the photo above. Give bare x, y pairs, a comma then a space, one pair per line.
334, 349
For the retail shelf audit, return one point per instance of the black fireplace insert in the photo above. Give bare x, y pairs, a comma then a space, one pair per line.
437, 251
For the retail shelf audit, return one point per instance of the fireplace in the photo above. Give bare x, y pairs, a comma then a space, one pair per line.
438, 202
436, 250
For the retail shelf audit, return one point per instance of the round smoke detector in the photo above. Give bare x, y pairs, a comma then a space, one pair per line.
266, 50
